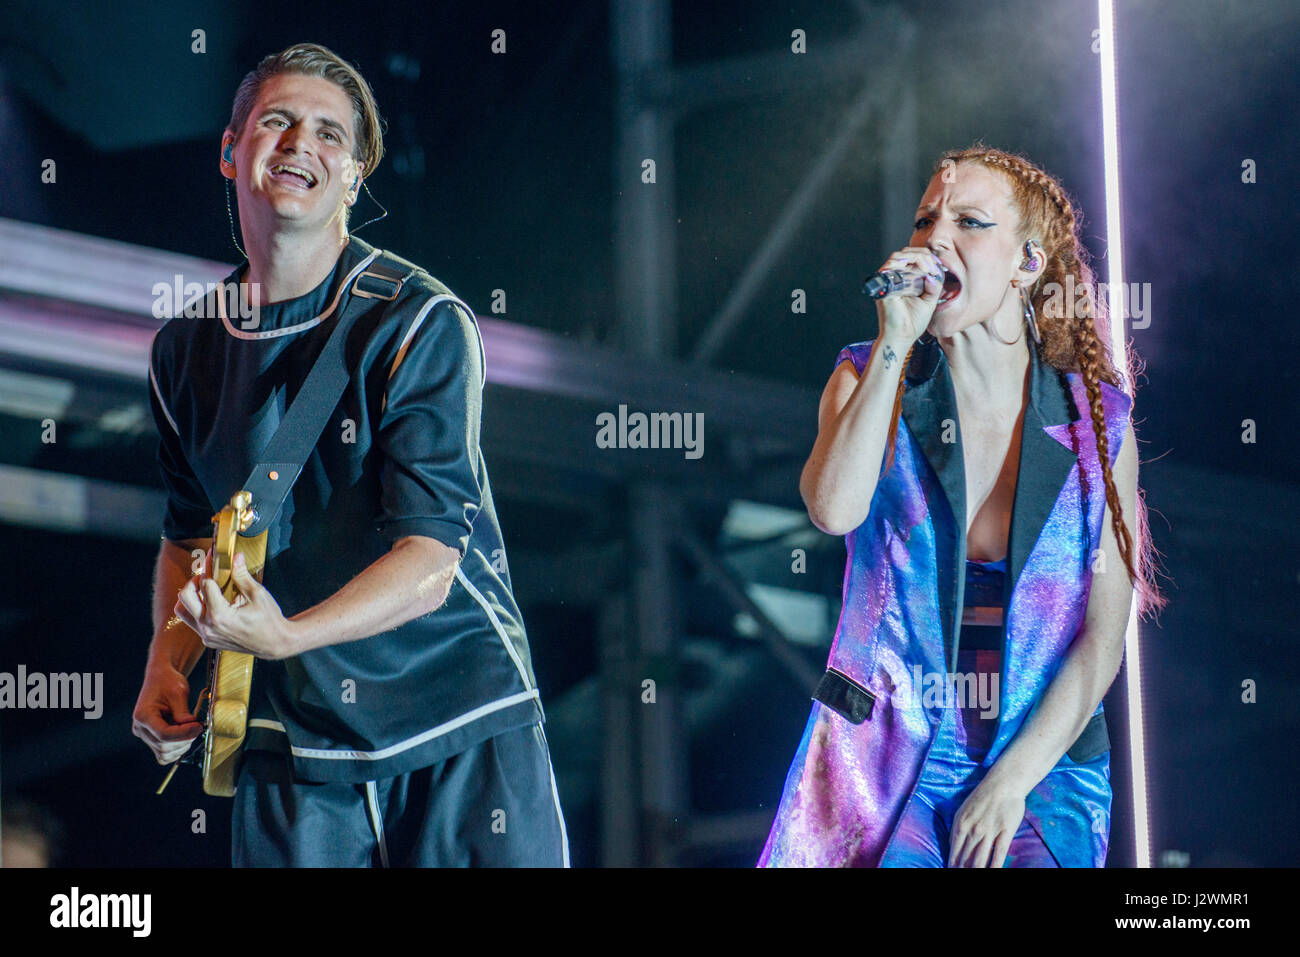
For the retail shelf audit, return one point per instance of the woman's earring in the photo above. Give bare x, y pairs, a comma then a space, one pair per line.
1029, 314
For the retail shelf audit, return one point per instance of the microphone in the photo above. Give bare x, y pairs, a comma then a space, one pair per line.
893, 282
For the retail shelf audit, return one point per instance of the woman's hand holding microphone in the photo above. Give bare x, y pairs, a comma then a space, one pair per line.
903, 318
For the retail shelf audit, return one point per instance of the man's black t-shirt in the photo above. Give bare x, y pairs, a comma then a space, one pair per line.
400, 456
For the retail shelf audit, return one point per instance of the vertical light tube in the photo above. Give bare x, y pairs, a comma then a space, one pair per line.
1117, 302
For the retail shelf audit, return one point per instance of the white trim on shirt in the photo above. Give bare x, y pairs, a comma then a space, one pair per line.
301, 326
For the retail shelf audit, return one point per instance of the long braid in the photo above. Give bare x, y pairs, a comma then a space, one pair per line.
1075, 340
1090, 358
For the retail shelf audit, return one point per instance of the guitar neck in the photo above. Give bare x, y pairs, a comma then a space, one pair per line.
254, 552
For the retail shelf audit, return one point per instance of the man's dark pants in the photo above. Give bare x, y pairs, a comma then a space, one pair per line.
494, 805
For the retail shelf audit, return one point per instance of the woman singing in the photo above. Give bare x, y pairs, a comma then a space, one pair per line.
959, 722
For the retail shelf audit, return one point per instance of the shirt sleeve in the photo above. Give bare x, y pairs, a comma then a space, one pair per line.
858, 352
428, 432
188, 514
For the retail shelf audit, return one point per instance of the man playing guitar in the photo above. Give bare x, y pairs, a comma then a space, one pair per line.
395, 718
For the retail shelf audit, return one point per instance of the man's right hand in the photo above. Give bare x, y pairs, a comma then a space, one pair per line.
162, 717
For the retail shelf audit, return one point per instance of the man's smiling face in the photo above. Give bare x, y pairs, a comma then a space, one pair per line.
294, 157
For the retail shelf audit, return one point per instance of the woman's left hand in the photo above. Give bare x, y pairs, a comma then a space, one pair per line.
985, 824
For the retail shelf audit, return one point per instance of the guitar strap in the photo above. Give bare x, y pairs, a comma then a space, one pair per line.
285, 455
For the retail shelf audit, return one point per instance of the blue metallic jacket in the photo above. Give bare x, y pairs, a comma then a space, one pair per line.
869, 734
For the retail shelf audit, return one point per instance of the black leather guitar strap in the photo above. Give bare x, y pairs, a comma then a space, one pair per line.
285, 455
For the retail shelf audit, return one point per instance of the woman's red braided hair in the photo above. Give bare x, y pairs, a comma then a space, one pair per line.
1075, 342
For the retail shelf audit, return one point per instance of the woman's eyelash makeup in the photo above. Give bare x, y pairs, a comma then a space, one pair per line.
978, 224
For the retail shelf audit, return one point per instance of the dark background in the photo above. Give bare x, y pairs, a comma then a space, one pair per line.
501, 172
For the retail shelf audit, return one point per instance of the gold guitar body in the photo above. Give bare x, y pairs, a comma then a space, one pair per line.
230, 673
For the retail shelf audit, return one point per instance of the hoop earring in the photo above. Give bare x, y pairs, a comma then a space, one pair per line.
1013, 341
1028, 308
231, 216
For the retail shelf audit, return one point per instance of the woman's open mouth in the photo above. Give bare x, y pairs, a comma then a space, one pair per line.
951, 288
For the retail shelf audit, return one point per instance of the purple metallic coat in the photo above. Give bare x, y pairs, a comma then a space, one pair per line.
868, 736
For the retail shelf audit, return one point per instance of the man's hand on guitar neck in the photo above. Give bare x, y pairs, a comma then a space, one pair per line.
409, 580
252, 624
